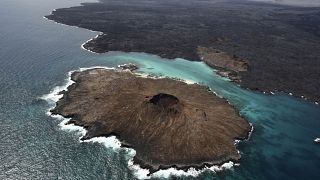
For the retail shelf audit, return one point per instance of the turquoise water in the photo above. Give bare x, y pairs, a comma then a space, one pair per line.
36, 55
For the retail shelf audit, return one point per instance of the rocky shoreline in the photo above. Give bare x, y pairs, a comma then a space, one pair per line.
158, 148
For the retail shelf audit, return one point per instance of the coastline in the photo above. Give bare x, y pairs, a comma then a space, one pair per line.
275, 91
83, 44
141, 171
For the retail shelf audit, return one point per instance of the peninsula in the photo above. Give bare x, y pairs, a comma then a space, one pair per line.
168, 122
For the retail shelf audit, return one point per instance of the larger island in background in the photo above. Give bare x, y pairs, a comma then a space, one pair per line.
168, 122
264, 46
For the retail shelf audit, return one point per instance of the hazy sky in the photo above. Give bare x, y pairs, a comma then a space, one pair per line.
294, 2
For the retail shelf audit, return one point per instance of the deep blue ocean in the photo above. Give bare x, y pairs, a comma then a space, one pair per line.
36, 55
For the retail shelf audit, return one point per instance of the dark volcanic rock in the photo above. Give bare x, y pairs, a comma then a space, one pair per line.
167, 122
281, 44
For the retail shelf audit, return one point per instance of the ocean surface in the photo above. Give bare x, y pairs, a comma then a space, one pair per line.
36, 55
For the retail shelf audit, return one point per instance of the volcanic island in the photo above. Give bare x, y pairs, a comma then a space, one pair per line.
168, 122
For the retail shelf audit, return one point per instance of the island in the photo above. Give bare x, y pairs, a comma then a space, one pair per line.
263, 46
169, 123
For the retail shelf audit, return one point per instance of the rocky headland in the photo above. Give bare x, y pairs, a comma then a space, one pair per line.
227, 65
169, 123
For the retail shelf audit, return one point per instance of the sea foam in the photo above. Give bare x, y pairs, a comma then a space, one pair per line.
145, 75
115, 144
